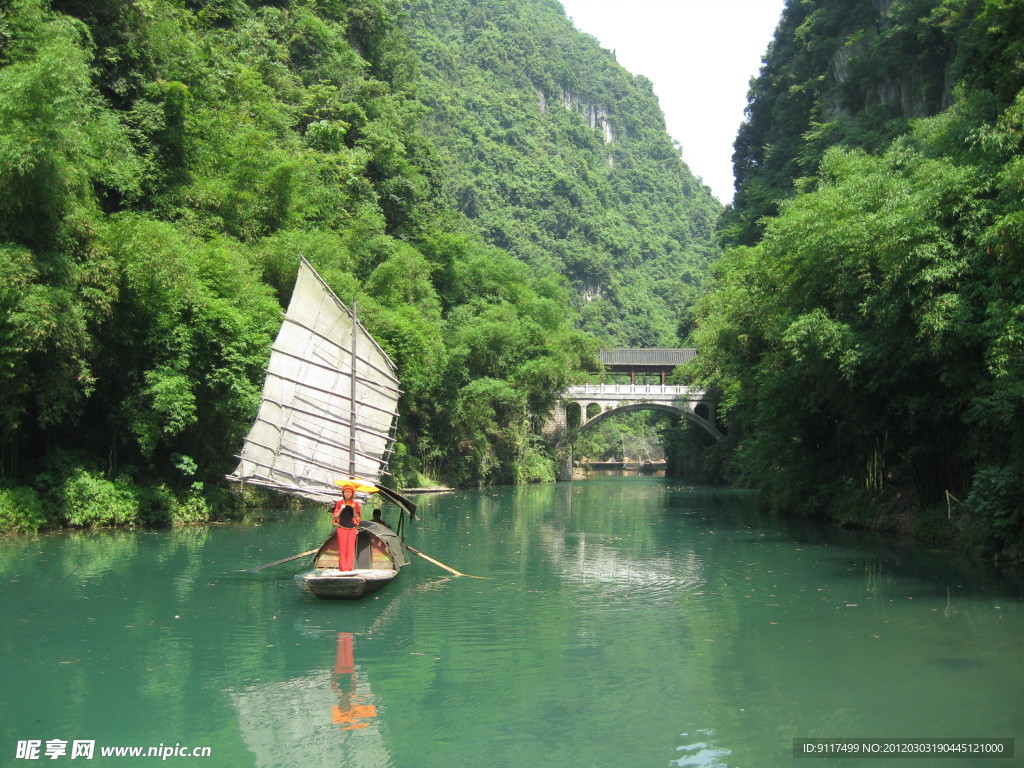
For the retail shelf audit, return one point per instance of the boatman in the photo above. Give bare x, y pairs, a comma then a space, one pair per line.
378, 519
346, 516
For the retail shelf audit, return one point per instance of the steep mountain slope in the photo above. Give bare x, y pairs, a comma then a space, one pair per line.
560, 156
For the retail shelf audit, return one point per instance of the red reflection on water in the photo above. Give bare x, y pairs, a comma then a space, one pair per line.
352, 711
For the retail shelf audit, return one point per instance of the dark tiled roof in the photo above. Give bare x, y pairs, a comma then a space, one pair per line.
663, 357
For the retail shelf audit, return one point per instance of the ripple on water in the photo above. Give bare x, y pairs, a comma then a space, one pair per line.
700, 750
605, 574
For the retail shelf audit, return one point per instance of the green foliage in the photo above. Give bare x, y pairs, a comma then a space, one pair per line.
161, 505
692, 453
404, 279
633, 436
856, 74
163, 165
860, 301
536, 464
89, 499
997, 496
868, 340
24, 509
156, 505
489, 418
560, 157
60, 155
192, 507
187, 343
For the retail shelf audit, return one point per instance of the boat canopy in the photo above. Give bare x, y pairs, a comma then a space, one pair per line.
390, 538
330, 400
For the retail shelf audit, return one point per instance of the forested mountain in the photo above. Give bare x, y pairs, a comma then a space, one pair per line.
856, 74
559, 156
867, 333
162, 165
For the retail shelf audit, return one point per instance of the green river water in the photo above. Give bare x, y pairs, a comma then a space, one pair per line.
625, 622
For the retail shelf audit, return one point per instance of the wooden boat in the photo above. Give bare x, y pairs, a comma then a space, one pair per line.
327, 418
380, 554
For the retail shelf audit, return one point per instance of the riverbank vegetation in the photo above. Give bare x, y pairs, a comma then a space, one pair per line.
865, 328
501, 198
163, 164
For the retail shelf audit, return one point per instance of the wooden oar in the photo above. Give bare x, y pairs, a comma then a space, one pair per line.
285, 560
439, 564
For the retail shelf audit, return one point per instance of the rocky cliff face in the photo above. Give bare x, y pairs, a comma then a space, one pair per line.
907, 92
596, 116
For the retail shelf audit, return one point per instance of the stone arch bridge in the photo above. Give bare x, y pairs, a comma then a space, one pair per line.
583, 406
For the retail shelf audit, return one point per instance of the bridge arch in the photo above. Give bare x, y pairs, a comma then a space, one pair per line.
690, 415
580, 407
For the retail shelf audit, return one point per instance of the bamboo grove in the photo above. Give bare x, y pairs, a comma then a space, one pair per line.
864, 328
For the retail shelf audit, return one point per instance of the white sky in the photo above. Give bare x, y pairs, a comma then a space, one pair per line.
700, 55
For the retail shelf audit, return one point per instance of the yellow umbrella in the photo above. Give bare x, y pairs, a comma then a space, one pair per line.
359, 486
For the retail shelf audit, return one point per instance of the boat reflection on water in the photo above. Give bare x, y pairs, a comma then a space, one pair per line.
317, 720
354, 708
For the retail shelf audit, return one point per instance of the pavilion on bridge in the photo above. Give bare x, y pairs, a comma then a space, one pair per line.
645, 362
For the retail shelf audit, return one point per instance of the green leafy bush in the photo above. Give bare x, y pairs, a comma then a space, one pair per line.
997, 495
192, 508
23, 509
535, 465
89, 500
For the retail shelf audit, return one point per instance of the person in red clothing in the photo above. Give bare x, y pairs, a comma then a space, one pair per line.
346, 516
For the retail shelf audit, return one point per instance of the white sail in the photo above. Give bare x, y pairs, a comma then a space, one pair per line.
329, 402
